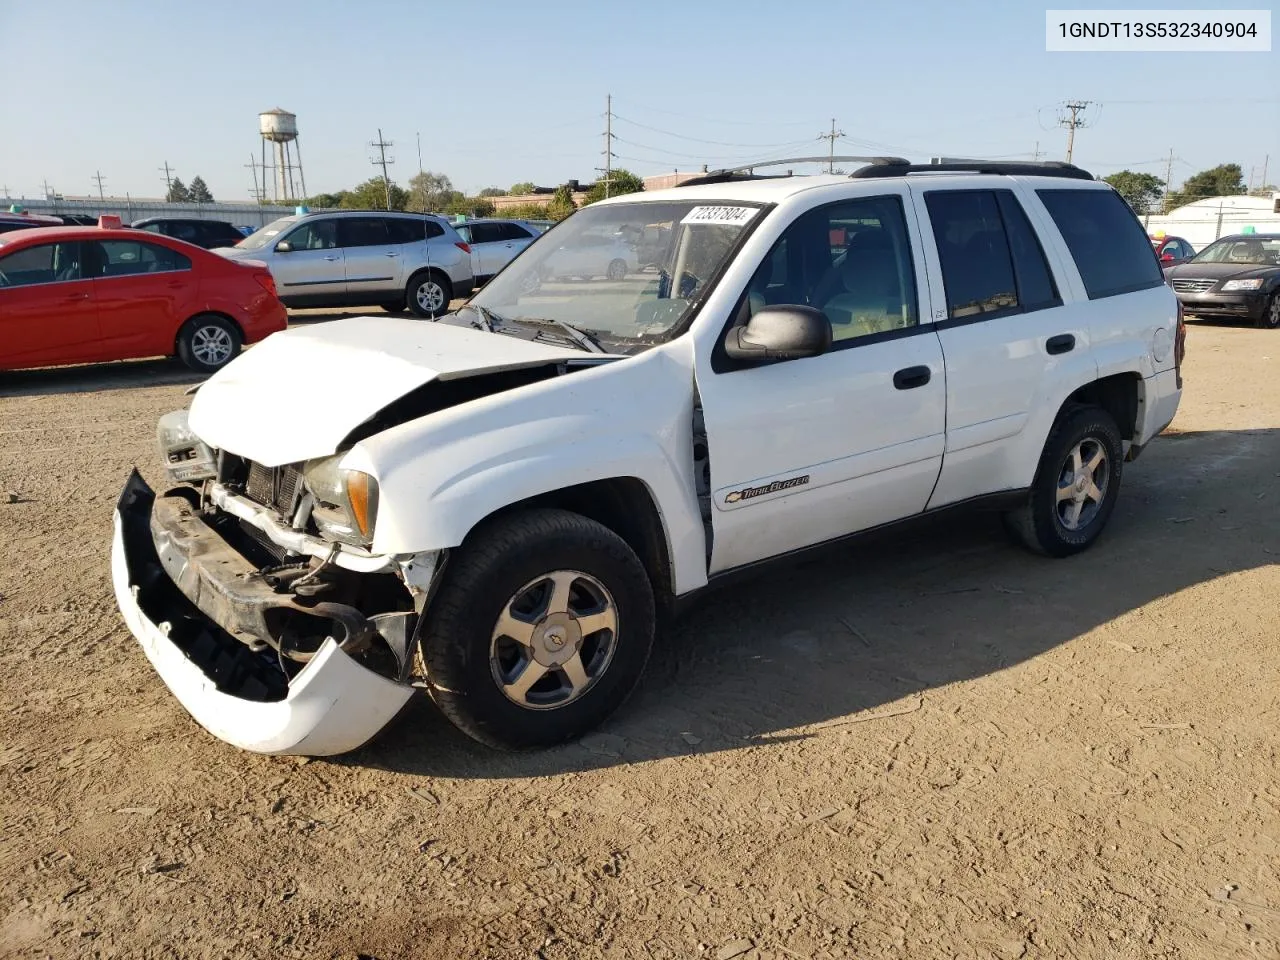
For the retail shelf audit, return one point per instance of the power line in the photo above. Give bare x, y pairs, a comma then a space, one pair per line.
750, 123
716, 143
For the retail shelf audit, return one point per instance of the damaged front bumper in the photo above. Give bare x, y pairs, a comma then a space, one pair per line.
331, 705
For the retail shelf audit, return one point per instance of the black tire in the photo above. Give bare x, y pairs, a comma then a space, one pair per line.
1270, 319
1040, 525
208, 342
421, 298
617, 269
483, 576
392, 306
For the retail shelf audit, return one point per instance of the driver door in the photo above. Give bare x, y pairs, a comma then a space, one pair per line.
804, 451
314, 265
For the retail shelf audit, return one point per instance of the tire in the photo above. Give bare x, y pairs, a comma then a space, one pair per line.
1270, 319
208, 342
428, 294
1045, 524
392, 306
617, 269
503, 572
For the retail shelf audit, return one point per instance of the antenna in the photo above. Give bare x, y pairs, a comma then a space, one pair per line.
383, 161
1076, 107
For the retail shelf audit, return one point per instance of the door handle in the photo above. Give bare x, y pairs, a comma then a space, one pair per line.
73, 297
391, 254
331, 259
1062, 343
909, 378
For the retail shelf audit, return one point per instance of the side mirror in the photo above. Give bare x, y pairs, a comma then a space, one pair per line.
782, 332
284, 246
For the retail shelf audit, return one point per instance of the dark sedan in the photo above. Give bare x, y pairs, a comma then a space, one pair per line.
209, 234
1234, 278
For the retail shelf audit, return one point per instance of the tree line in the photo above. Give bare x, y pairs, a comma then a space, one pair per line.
1145, 192
179, 192
429, 192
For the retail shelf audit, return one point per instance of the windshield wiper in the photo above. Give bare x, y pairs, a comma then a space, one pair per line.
583, 339
485, 317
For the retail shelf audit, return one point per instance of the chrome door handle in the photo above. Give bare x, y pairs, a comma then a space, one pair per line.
391, 254
331, 259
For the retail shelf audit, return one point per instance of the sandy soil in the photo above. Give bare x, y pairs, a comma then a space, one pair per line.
930, 745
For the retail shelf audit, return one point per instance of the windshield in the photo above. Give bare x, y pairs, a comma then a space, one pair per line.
260, 238
626, 273
1263, 251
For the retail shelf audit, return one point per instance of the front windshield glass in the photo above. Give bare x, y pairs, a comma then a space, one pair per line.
626, 274
1263, 251
260, 238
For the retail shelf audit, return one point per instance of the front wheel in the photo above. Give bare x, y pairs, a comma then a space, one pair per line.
1270, 319
541, 628
429, 294
208, 342
1076, 485
617, 269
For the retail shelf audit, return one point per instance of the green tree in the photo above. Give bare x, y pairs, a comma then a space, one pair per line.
521, 189
620, 182
178, 192
526, 211
1140, 190
1224, 180
493, 192
372, 195
322, 201
561, 204
469, 206
199, 191
430, 192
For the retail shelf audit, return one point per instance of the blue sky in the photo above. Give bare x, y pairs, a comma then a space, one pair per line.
508, 91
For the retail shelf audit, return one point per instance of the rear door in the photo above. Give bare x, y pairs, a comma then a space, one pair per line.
312, 269
47, 310
486, 249
1008, 333
373, 263
144, 292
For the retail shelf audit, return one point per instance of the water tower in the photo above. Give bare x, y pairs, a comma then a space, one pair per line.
280, 128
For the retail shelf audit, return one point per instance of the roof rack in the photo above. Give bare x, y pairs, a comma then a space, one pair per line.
1044, 168
745, 172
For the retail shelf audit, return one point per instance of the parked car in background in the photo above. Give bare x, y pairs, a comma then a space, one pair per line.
1236, 277
1171, 251
611, 256
77, 219
495, 243
91, 294
358, 257
209, 234
26, 221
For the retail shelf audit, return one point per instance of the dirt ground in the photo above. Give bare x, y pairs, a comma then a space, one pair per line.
930, 745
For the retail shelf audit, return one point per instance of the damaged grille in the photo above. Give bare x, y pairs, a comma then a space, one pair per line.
277, 487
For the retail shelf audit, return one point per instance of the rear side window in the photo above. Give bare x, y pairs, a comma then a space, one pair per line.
512, 231
486, 232
1106, 240
977, 267
403, 230
362, 232
1036, 289
125, 258
433, 229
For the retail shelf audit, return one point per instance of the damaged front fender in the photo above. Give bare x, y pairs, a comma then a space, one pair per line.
331, 706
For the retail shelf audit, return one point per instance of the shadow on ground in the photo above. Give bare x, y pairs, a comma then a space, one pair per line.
878, 624
96, 377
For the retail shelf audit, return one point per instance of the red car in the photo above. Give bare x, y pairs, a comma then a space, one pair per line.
1171, 251
90, 294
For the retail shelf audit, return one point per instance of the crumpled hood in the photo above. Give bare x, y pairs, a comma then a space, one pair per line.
299, 393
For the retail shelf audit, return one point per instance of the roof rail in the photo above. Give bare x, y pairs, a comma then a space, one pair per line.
745, 172
1044, 168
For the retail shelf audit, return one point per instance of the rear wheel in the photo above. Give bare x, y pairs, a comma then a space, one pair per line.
617, 269
429, 294
208, 342
1076, 485
541, 629
1270, 319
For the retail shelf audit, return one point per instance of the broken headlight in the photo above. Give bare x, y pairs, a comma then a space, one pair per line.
346, 500
186, 457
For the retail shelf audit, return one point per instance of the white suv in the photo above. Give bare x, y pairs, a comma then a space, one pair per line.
497, 507
362, 257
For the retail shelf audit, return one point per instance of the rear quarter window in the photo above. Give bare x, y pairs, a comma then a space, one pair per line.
1109, 245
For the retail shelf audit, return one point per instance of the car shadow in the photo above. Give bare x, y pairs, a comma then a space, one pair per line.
96, 377
871, 628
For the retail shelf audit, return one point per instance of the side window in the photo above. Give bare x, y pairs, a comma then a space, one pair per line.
512, 231
183, 230
433, 229
362, 232
404, 230
1109, 246
486, 233
126, 258
153, 228
48, 263
316, 235
865, 283
464, 231
1036, 289
977, 267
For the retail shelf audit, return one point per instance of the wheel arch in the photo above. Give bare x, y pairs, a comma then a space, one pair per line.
1120, 394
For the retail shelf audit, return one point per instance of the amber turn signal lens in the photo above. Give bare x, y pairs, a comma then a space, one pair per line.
362, 492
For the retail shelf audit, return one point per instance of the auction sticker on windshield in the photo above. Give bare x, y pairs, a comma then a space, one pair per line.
721, 215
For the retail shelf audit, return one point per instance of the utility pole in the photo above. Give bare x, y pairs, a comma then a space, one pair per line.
1035, 154
832, 136
607, 169
1076, 107
168, 179
1265, 161
258, 198
382, 161
97, 175
48, 194
1168, 182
